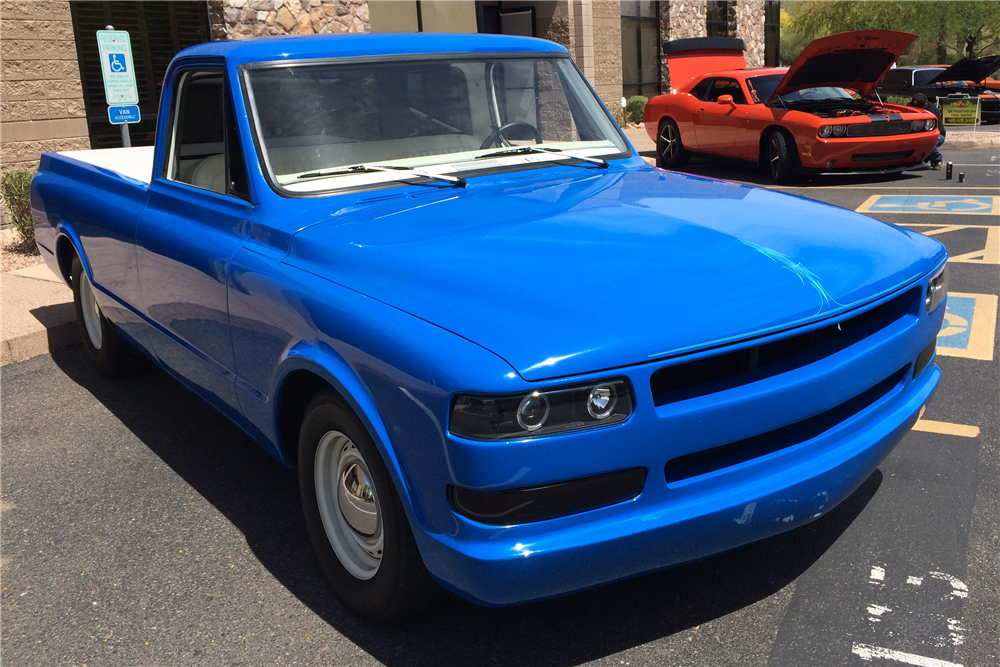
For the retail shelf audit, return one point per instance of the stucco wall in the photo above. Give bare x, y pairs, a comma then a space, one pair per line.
237, 19
607, 78
41, 99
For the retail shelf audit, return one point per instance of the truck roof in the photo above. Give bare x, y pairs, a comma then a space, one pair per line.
305, 47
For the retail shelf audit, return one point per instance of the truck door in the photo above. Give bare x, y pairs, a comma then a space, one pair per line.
722, 128
196, 219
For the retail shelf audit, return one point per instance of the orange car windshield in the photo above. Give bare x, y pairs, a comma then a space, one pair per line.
762, 87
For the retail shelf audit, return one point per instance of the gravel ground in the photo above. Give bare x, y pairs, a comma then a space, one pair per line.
14, 256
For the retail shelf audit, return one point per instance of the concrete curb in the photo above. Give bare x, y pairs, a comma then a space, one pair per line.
38, 314
964, 143
22, 348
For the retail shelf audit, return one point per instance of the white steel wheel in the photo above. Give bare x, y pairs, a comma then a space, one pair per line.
111, 354
91, 312
348, 505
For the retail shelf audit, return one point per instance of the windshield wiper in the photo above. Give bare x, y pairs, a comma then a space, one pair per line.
369, 168
524, 150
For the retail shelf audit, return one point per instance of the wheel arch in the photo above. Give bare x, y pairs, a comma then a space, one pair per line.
308, 368
766, 134
67, 246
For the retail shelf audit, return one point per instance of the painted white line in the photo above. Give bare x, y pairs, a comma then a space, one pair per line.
959, 589
877, 609
878, 573
867, 652
916, 581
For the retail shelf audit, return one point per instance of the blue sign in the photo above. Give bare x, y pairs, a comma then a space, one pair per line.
120, 115
116, 63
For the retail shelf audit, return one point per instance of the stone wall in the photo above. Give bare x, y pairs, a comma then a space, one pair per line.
750, 28
41, 99
684, 19
236, 19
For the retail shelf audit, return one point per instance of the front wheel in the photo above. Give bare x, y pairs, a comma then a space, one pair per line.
670, 153
110, 354
355, 519
781, 158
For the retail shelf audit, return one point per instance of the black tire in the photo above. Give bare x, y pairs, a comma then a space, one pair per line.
780, 158
399, 585
670, 153
111, 355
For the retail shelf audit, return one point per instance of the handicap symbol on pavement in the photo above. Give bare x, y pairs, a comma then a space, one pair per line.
116, 62
969, 326
941, 204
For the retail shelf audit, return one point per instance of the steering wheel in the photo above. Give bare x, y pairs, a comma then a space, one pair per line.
498, 133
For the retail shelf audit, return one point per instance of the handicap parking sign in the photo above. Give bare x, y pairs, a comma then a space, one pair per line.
116, 66
116, 62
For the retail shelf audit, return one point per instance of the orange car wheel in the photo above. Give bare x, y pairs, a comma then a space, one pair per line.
670, 153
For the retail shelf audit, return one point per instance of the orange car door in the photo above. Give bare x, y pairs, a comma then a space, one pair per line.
720, 127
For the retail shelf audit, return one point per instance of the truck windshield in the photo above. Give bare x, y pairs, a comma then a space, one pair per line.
329, 126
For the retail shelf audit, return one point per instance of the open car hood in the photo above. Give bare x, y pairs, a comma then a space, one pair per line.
969, 69
857, 60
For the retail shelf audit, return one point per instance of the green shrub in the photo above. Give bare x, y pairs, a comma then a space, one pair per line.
16, 189
634, 108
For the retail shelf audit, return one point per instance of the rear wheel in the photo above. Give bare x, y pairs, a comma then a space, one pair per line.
781, 161
111, 354
670, 153
355, 519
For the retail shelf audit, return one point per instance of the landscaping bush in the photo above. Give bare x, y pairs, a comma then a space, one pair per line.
16, 189
634, 108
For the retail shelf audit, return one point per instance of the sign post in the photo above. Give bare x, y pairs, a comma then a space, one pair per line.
120, 91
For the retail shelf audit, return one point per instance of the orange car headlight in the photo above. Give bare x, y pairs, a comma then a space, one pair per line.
825, 131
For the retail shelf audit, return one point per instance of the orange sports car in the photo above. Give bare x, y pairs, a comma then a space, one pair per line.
814, 117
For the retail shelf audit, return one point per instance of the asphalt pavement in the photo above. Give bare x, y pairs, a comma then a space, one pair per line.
140, 528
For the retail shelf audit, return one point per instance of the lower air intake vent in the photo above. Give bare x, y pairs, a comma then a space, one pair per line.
724, 456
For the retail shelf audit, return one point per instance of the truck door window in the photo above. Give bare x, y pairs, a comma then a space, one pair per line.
201, 120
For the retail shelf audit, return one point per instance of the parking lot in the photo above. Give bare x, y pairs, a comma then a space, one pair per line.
140, 528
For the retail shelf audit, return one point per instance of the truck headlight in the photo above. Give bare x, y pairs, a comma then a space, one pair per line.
937, 290
537, 413
929, 124
825, 131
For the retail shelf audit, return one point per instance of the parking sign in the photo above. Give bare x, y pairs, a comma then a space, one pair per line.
116, 64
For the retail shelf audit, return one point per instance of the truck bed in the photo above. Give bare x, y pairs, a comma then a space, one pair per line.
135, 163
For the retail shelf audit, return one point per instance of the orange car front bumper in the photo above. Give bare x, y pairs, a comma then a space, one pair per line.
850, 155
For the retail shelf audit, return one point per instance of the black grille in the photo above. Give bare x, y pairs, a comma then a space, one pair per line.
725, 456
733, 369
878, 129
878, 157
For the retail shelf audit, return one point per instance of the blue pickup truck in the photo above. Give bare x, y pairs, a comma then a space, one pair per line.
505, 354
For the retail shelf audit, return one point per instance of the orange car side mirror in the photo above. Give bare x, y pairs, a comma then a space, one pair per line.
726, 99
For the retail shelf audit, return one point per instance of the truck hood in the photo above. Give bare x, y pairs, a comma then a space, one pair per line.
969, 69
588, 270
857, 60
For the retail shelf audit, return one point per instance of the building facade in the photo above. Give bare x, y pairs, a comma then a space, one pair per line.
52, 95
